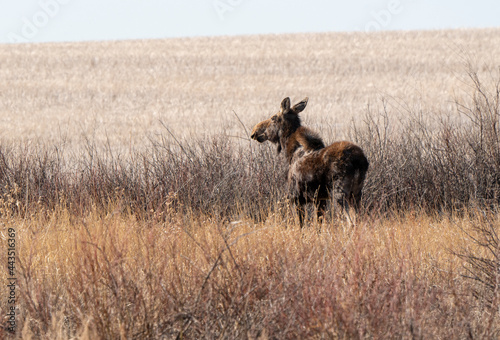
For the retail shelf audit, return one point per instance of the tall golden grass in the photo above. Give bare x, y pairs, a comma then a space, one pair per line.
113, 276
139, 215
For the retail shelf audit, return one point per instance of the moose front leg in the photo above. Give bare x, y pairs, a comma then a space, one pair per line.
300, 207
301, 212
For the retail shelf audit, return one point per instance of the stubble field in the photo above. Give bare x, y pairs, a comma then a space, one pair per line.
141, 209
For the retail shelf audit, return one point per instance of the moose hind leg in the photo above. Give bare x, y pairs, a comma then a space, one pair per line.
342, 194
357, 189
320, 210
301, 212
299, 206
356, 201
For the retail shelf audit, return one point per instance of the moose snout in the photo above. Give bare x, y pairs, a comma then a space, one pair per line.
258, 137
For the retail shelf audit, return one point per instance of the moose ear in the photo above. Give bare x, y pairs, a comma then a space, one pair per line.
285, 104
299, 107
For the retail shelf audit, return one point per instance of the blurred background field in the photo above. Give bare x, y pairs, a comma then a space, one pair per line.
117, 92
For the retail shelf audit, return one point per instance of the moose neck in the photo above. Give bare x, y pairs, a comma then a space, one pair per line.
290, 145
288, 139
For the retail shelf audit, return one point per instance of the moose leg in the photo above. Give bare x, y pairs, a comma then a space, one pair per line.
301, 213
344, 205
299, 206
320, 210
357, 190
357, 201
342, 196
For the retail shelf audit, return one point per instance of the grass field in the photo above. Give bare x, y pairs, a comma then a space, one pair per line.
118, 91
141, 209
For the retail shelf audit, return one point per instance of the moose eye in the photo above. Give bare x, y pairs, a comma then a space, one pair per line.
274, 118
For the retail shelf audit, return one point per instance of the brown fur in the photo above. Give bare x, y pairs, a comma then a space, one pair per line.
316, 172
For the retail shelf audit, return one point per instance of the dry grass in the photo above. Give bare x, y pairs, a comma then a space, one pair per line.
115, 276
127, 230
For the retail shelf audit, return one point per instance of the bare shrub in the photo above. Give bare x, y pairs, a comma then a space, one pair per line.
446, 167
214, 177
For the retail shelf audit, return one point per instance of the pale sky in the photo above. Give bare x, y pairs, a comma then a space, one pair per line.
79, 20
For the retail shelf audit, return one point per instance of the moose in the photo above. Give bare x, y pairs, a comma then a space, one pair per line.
315, 173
